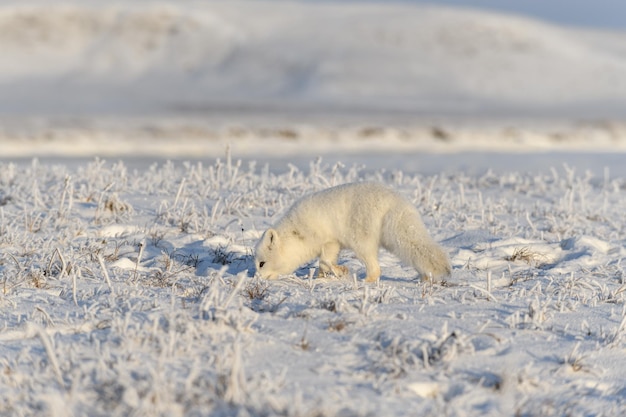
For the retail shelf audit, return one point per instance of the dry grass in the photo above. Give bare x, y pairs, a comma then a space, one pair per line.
527, 255
256, 290
337, 325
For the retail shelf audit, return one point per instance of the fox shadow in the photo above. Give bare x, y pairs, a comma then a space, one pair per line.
217, 258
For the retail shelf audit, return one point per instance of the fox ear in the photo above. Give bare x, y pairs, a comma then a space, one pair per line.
270, 239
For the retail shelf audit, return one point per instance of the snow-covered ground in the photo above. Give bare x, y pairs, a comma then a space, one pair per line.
131, 293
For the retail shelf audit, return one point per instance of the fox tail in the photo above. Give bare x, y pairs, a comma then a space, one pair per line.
405, 235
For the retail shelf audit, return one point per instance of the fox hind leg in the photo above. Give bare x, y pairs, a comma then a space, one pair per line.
369, 256
373, 271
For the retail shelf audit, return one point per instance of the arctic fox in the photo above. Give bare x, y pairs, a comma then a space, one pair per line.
359, 216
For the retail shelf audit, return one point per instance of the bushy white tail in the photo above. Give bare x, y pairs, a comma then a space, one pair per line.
405, 235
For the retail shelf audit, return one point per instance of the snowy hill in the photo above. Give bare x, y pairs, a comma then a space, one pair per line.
118, 57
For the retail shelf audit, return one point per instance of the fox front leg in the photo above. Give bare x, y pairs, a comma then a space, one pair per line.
328, 261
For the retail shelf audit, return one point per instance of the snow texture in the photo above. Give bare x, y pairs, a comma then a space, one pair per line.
131, 293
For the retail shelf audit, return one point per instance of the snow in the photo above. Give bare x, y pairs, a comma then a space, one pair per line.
145, 146
93, 79
86, 57
133, 292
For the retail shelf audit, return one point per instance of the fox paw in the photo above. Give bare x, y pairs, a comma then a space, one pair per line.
371, 279
341, 271
338, 271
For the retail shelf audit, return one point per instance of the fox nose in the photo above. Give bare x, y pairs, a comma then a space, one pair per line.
265, 276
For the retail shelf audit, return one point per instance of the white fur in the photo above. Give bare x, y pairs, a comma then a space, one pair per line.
362, 217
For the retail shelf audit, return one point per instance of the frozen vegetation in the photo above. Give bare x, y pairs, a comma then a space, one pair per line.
132, 293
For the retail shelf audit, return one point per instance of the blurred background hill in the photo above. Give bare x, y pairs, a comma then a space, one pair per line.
82, 57
89, 71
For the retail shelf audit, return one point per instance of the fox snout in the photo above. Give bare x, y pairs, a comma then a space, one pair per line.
265, 274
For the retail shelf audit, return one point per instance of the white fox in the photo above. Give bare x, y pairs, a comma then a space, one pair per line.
359, 216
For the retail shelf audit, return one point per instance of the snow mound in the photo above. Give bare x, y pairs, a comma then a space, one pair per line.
88, 56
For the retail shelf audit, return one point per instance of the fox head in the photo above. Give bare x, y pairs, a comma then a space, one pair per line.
276, 255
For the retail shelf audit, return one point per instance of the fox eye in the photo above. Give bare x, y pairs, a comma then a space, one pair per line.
261, 264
